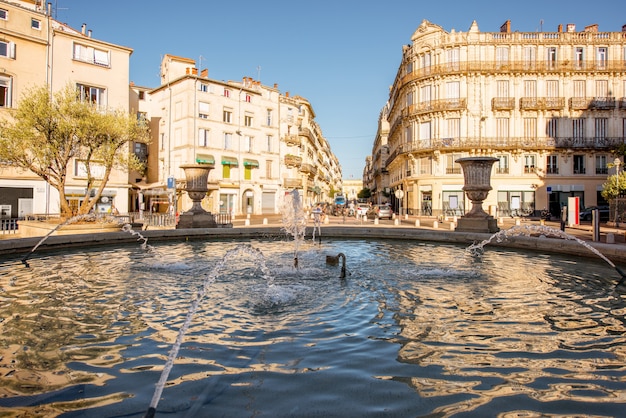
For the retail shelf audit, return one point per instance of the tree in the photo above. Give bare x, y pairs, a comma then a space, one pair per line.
614, 186
49, 131
365, 193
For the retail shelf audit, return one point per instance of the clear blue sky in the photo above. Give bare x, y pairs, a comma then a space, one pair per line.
341, 55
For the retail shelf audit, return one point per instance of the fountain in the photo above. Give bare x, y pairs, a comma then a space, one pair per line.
90, 332
197, 187
477, 175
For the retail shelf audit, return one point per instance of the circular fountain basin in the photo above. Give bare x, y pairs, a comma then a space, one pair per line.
415, 329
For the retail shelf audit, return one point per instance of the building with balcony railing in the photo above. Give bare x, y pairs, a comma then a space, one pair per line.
548, 105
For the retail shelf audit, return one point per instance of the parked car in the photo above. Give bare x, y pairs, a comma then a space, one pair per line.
361, 209
380, 212
603, 211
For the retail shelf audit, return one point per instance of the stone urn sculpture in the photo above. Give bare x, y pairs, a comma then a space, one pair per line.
477, 175
197, 176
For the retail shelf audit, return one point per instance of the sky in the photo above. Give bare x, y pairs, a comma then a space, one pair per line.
341, 55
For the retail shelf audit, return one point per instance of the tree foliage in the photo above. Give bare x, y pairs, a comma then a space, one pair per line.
614, 186
48, 132
365, 193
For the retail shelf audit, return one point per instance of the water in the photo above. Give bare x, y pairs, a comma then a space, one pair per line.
417, 329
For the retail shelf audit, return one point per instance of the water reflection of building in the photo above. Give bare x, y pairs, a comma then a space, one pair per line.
549, 105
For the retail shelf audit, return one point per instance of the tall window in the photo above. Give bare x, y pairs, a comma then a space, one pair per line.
579, 58
579, 164
503, 164
409, 98
225, 171
408, 134
600, 125
269, 139
601, 164
203, 137
453, 90
425, 134
530, 57
247, 143
580, 89
425, 94
247, 120
530, 127
91, 94
601, 57
203, 110
426, 165
502, 88
228, 140
269, 117
4, 14
502, 130
530, 88
551, 58
552, 164
5, 91
453, 128
552, 88
530, 162
227, 116
268, 169
452, 167
578, 130
226, 93
602, 89
502, 56
454, 58
552, 128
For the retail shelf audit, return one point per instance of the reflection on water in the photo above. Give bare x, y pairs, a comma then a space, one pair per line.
417, 329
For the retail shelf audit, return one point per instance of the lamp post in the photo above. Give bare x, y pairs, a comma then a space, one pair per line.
617, 163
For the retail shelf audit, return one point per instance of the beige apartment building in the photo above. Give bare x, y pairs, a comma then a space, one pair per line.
549, 105
261, 143
36, 50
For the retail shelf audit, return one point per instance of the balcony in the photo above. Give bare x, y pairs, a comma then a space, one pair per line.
435, 106
310, 169
503, 103
293, 160
542, 103
292, 183
602, 103
292, 140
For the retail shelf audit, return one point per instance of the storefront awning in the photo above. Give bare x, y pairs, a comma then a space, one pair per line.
251, 163
232, 161
205, 159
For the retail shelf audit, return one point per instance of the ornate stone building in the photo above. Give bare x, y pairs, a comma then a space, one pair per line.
549, 105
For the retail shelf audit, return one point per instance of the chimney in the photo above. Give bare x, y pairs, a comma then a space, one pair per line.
204, 73
624, 28
592, 28
506, 27
560, 29
571, 27
89, 33
194, 71
83, 28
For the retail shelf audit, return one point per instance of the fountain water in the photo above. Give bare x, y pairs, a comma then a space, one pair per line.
294, 220
543, 230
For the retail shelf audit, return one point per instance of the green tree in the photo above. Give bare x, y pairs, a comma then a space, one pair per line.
365, 193
614, 186
48, 132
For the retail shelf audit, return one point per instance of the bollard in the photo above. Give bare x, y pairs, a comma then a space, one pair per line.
396, 222
406, 217
435, 224
542, 222
376, 221
247, 222
264, 221
518, 222
454, 219
452, 226
248, 216
326, 221
610, 238
417, 222
500, 220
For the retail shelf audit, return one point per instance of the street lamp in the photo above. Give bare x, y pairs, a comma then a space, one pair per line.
617, 162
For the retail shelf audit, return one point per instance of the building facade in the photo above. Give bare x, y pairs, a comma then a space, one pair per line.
549, 105
36, 51
261, 143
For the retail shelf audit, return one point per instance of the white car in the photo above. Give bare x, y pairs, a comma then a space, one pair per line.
361, 209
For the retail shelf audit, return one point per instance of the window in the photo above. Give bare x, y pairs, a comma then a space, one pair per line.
226, 93
91, 55
452, 167
269, 142
141, 95
269, 117
228, 140
35, 24
162, 141
502, 130
601, 57
601, 164
552, 88
551, 57
502, 57
227, 116
579, 164
91, 94
247, 120
600, 129
502, 88
203, 137
4, 15
530, 57
578, 130
425, 94
7, 49
530, 127
225, 171
409, 67
453, 58
552, 130
408, 134
530, 88
503, 164
453, 90
268, 169
409, 98
203, 110
579, 57
247, 172
5, 91
552, 164
248, 98
530, 161
580, 89
425, 165
453, 128
247, 143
